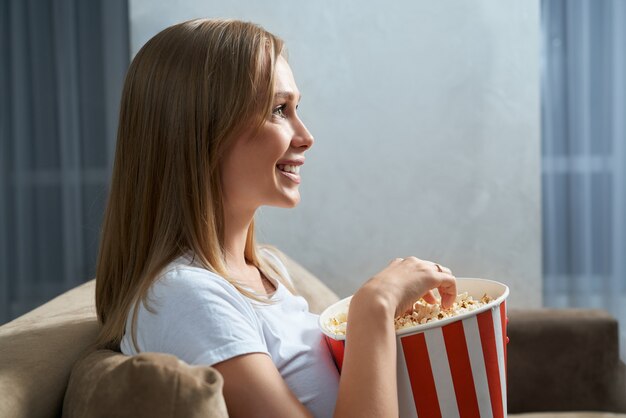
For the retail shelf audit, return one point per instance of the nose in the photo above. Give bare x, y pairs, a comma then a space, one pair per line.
302, 138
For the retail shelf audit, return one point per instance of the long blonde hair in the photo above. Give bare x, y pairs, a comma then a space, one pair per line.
189, 91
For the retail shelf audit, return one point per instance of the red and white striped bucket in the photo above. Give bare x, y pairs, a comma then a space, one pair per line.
454, 367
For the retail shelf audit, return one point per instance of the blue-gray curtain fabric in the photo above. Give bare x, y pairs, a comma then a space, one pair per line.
584, 155
61, 74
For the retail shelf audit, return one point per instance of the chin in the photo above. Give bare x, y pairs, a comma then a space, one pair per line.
291, 203
285, 198
288, 202
284, 205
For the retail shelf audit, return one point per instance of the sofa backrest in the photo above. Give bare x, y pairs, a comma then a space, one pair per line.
38, 350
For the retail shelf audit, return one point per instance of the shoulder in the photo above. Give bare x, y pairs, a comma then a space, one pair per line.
183, 276
189, 286
196, 315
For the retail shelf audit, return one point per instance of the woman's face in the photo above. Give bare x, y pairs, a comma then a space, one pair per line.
255, 171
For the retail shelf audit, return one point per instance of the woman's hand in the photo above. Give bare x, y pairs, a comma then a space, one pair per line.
368, 384
405, 280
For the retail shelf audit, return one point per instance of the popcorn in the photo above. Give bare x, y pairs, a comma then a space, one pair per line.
422, 313
337, 324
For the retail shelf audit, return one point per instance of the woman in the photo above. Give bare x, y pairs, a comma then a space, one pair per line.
208, 133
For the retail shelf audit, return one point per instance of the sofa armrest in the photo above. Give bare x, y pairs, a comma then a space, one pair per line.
564, 360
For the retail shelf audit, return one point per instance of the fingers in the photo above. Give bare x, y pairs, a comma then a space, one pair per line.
445, 282
430, 298
435, 266
447, 290
442, 269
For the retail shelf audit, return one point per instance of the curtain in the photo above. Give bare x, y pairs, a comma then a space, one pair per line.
584, 155
62, 69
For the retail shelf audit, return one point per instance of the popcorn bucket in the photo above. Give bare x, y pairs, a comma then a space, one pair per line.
453, 367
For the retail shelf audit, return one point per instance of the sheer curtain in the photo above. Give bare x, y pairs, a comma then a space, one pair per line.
584, 155
61, 71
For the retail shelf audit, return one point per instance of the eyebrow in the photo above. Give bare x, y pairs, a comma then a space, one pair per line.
286, 95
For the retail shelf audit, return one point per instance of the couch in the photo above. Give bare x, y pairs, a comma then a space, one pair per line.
561, 363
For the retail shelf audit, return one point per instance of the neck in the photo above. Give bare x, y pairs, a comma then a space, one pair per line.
236, 225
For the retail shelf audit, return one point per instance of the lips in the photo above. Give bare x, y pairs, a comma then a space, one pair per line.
291, 176
297, 161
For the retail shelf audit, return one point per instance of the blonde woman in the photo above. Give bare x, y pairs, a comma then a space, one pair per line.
208, 133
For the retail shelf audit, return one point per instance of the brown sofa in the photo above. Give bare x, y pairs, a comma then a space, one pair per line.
561, 363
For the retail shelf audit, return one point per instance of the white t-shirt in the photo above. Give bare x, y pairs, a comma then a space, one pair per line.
202, 319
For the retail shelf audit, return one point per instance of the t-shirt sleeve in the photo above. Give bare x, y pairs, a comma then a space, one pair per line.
200, 318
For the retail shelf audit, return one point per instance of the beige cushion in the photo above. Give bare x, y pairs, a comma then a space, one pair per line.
152, 385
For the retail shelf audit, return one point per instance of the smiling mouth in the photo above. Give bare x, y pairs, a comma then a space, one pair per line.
295, 177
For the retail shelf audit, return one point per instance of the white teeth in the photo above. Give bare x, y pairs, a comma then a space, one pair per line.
289, 168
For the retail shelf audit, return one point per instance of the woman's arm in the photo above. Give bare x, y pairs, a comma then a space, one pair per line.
253, 386
367, 387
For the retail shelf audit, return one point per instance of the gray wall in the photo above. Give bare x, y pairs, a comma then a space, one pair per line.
426, 118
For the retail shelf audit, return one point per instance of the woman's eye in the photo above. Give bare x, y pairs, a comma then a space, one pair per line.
279, 111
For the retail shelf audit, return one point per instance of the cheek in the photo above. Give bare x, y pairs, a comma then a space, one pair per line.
258, 169
255, 162
236, 172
